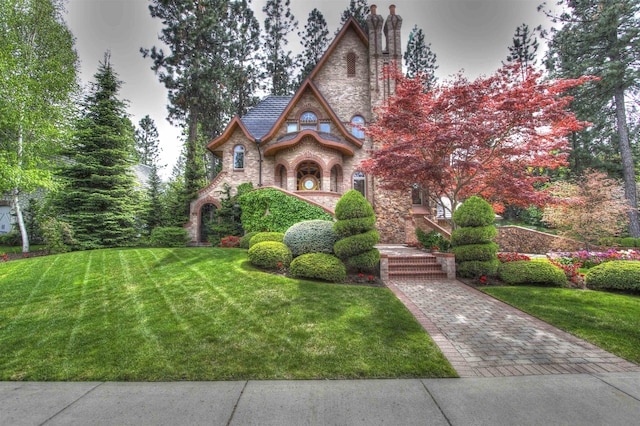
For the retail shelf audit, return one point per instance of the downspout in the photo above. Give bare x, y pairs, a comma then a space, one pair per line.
258, 142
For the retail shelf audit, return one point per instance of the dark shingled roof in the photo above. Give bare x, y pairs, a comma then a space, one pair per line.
263, 116
323, 135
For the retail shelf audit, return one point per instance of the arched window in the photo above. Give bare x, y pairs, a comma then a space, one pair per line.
360, 183
309, 176
351, 64
308, 121
355, 122
238, 157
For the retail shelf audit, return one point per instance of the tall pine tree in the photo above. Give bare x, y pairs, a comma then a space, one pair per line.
358, 9
419, 59
147, 142
199, 73
602, 38
279, 63
315, 41
523, 49
97, 197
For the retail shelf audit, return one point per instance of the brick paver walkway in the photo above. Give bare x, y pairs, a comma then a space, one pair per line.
482, 336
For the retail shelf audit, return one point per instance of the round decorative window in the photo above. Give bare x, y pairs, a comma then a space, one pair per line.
308, 174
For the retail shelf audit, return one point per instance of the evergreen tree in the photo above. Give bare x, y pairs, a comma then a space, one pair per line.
147, 142
279, 64
97, 198
419, 59
315, 41
173, 198
38, 66
359, 9
154, 209
524, 47
603, 39
246, 75
200, 73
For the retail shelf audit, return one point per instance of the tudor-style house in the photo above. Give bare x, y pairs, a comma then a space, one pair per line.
309, 144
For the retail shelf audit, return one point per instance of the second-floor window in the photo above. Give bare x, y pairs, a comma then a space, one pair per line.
238, 157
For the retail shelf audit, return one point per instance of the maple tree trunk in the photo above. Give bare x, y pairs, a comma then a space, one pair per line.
628, 169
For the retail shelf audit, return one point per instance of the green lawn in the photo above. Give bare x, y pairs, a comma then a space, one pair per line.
197, 314
610, 321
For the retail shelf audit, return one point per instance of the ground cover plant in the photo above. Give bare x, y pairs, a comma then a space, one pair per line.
197, 314
610, 321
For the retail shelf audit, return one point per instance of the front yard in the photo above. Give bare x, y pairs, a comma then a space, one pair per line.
198, 314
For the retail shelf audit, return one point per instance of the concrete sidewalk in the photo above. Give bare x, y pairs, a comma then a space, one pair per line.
582, 399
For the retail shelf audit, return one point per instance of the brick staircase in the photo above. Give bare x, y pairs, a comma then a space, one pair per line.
415, 267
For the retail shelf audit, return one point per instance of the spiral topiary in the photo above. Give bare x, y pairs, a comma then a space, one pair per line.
476, 254
355, 227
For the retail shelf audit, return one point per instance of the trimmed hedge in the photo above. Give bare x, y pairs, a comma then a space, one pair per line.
246, 239
346, 227
318, 266
356, 244
478, 268
477, 235
266, 236
367, 260
311, 236
169, 237
353, 205
267, 254
523, 272
474, 212
614, 275
482, 252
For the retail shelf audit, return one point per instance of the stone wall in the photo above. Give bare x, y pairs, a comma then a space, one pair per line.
523, 240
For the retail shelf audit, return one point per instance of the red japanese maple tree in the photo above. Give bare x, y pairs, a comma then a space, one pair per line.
490, 137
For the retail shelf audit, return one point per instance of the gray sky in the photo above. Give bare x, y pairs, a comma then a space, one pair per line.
469, 35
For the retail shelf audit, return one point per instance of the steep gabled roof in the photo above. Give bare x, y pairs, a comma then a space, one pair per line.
351, 23
263, 121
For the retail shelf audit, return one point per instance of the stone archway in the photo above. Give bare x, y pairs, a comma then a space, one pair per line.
206, 216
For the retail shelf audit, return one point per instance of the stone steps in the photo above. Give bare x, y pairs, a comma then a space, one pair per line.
415, 267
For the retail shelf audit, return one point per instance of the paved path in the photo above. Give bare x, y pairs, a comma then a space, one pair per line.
482, 336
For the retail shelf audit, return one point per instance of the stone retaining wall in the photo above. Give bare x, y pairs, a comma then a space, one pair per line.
523, 240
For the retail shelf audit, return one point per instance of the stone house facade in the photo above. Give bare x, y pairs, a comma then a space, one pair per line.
312, 143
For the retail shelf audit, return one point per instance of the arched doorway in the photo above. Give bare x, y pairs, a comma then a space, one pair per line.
309, 176
207, 215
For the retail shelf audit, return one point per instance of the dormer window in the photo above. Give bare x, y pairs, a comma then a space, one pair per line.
308, 121
356, 122
238, 157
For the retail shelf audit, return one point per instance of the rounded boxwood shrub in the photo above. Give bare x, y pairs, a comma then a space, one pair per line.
476, 235
318, 266
311, 236
523, 272
246, 239
482, 252
474, 212
346, 227
266, 236
268, 254
478, 268
614, 275
367, 260
169, 237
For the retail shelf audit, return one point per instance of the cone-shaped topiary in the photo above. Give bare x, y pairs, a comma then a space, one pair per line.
475, 253
356, 229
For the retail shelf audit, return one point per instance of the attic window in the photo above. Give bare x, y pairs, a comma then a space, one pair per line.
351, 64
356, 122
308, 121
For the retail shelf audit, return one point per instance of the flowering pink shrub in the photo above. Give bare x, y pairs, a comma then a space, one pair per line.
230, 242
570, 262
512, 257
5, 257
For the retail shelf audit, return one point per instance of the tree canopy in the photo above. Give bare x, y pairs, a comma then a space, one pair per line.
489, 137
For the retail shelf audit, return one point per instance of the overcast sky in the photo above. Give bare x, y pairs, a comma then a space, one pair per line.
469, 35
